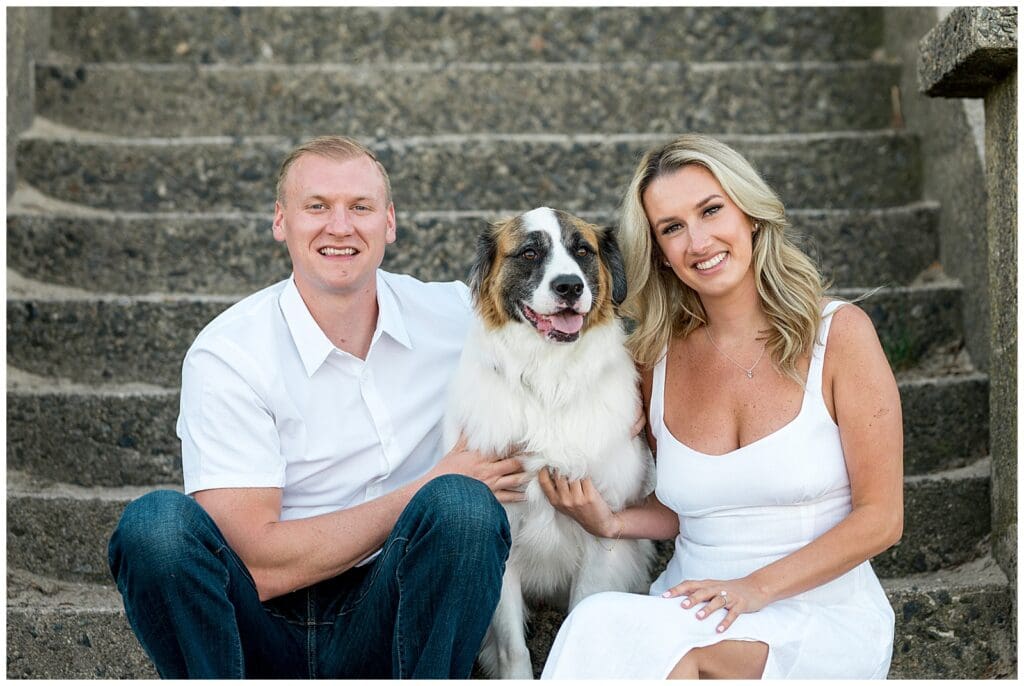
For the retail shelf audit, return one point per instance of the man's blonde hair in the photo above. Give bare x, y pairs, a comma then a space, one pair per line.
338, 148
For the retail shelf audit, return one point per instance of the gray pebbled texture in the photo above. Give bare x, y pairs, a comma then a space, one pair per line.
419, 100
550, 34
969, 52
145, 338
235, 254
853, 170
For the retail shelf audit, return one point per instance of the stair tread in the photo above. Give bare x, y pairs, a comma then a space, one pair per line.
28, 591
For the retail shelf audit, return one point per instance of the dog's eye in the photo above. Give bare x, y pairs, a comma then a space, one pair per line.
582, 251
529, 254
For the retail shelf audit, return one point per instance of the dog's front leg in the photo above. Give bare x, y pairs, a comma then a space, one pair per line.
623, 568
504, 651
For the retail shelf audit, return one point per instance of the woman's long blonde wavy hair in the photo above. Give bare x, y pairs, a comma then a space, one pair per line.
663, 306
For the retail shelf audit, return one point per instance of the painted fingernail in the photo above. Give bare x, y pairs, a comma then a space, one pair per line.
686, 603
721, 629
700, 615
666, 594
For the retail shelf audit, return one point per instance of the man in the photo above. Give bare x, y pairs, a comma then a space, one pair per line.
323, 537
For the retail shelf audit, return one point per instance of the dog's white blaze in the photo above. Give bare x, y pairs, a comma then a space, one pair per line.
559, 263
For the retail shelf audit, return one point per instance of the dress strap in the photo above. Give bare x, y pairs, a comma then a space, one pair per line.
814, 372
656, 409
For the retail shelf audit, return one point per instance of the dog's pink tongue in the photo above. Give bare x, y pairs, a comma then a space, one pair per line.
567, 322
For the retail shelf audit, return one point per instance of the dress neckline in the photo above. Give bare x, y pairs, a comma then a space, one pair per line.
813, 376
784, 427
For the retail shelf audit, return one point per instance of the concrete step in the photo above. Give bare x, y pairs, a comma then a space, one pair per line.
62, 530
479, 34
452, 172
234, 253
952, 624
111, 435
423, 99
101, 338
120, 434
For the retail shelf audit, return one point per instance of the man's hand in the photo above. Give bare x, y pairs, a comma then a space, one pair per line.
505, 477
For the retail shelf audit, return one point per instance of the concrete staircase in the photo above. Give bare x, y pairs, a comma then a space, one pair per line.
144, 203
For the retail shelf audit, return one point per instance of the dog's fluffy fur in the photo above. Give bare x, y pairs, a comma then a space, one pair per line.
533, 377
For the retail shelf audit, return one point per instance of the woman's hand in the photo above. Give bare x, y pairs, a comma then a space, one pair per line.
736, 596
581, 501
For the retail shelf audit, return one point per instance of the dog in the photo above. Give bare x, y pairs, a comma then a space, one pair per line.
545, 371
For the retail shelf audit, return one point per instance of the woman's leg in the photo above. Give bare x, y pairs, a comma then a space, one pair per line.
724, 660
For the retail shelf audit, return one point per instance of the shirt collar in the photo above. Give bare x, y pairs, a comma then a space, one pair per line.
313, 344
389, 314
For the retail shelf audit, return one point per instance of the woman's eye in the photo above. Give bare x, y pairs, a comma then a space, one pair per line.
669, 229
713, 209
529, 254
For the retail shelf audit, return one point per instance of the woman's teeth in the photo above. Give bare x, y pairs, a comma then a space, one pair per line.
708, 264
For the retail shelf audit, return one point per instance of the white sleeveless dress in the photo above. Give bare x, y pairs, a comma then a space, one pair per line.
737, 513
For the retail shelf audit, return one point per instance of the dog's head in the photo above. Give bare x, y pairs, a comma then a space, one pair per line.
549, 270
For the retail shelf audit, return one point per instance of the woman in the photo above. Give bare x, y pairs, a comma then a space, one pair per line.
779, 459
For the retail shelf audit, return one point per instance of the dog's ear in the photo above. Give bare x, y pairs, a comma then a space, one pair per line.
612, 258
486, 251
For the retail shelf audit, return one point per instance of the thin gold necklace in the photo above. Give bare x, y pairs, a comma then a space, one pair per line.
748, 372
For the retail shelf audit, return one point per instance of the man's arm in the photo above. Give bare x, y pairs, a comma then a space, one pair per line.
283, 556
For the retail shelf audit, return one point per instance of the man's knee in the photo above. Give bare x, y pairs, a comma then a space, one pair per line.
464, 510
157, 532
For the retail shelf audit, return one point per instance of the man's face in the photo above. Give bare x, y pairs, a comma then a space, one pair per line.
335, 220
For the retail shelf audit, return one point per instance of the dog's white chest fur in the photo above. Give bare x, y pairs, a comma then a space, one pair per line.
571, 408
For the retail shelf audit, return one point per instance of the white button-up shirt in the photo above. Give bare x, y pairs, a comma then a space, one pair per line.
268, 401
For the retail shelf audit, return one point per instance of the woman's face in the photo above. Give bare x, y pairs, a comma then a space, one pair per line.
706, 238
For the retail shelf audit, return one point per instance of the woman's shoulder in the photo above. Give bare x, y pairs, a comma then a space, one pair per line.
851, 333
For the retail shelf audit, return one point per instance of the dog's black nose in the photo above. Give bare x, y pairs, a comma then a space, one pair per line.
568, 286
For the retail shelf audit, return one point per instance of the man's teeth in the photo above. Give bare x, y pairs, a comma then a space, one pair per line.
336, 251
712, 262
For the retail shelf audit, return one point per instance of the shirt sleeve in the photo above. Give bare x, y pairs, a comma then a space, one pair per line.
464, 294
228, 434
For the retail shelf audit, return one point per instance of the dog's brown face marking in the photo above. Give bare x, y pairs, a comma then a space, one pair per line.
548, 268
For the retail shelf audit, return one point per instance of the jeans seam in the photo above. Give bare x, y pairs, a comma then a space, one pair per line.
398, 616
311, 633
369, 581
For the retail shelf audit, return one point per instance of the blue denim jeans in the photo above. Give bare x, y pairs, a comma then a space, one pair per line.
419, 610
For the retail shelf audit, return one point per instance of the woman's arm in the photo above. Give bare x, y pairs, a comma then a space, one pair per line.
582, 502
866, 403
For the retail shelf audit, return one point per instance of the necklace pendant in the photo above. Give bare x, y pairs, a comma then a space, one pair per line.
750, 374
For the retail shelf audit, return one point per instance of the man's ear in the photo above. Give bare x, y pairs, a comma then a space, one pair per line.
392, 231
279, 232
616, 266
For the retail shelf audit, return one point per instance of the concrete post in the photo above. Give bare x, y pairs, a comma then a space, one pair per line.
972, 53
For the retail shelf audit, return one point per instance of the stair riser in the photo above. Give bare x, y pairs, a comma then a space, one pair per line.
851, 171
413, 101
237, 255
352, 35
945, 423
112, 441
132, 340
67, 538
955, 634
94, 440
